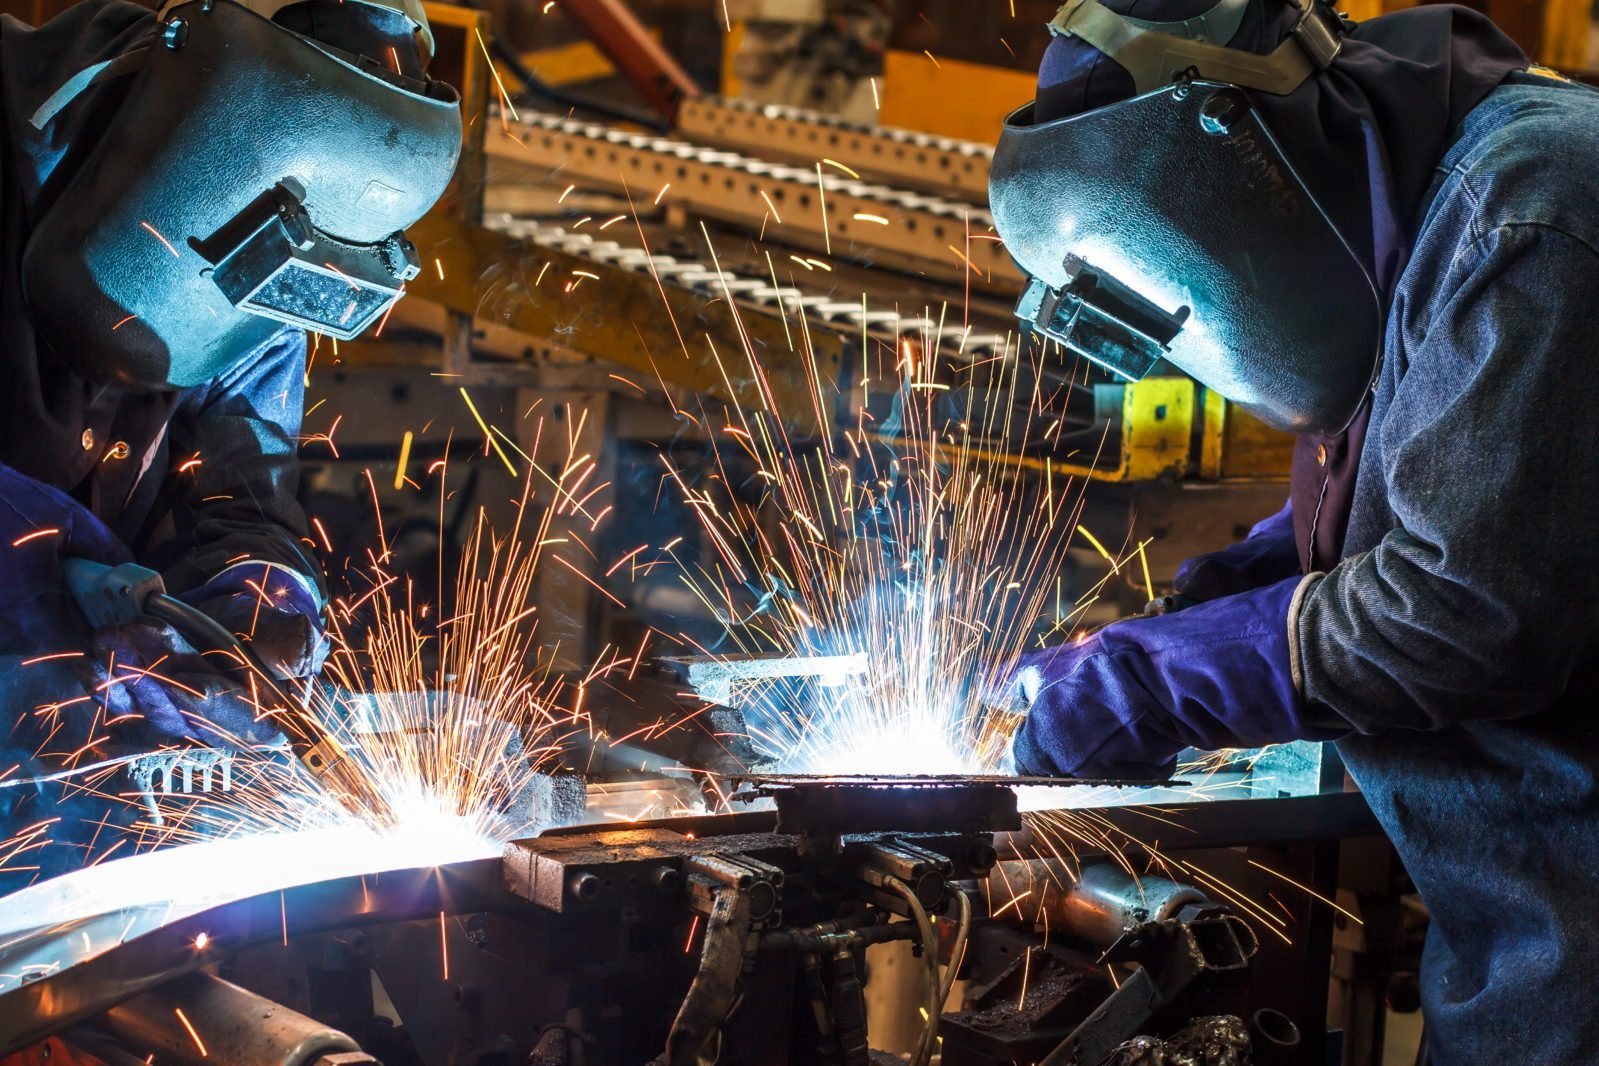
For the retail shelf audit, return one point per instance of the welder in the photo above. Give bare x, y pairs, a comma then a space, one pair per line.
186, 193
1384, 238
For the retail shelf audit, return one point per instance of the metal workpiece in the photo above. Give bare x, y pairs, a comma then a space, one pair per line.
184, 770
200, 1018
945, 165
809, 207
821, 805
1097, 903
719, 679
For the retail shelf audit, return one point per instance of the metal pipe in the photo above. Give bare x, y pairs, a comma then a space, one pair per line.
200, 1019
1098, 904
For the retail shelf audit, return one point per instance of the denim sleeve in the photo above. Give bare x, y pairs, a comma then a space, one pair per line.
235, 443
1483, 597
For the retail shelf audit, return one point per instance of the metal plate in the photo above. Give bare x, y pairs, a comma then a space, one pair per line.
874, 804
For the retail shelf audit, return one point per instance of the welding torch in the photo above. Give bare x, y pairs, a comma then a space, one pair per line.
117, 595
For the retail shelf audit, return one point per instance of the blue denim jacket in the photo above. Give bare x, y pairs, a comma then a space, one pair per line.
1458, 635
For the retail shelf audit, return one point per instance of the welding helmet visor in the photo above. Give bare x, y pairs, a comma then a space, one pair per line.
251, 177
1171, 226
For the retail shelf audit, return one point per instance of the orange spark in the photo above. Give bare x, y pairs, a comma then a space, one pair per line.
35, 535
190, 1027
157, 234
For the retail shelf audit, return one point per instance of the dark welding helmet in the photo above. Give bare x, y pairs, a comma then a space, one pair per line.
252, 176
1171, 225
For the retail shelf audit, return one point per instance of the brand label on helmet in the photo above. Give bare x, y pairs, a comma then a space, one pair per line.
1264, 176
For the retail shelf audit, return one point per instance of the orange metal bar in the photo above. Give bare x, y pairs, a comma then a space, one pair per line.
617, 32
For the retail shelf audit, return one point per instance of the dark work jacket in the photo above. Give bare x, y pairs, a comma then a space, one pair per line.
1459, 634
190, 480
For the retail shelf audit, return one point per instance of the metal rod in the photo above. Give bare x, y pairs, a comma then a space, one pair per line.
200, 1019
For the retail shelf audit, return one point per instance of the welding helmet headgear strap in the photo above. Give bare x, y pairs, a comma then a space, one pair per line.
1158, 54
1215, 258
268, 9
251, 177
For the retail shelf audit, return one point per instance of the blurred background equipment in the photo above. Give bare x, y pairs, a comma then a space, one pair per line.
645, 189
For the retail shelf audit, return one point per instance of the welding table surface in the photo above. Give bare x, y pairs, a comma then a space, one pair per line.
1190, 826
80, 989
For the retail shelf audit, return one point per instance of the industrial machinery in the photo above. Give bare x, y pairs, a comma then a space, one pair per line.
796, 934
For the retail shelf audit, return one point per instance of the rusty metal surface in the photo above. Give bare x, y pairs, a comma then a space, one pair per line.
630, 318
812, 207
950, 167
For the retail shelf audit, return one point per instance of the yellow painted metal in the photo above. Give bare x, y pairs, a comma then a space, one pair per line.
1361, 10
461, 33
1252, 449
1568, 31
950, 97
483, 278
1213, 424
678, 337
1157, 426
732, 85
568, 64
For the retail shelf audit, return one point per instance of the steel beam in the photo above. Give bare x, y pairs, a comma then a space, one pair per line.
809, 207
944, 165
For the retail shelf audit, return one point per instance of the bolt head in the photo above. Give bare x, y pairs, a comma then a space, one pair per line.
1222, 111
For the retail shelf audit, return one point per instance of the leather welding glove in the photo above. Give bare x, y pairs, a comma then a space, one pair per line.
1267, 555
72, 690
271, 608
1124, 701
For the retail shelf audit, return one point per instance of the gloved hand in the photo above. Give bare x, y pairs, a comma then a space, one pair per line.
273, 610
1125, 700
146, 672
1267, 555
65, 688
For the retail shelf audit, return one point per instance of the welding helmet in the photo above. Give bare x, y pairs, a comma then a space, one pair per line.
1172, 226
252, 175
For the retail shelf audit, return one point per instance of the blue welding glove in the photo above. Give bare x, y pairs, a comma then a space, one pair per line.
145, 672
1124, 701
1267, 555
271, 608
65, 686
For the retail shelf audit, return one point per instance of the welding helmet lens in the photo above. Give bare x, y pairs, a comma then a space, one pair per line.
1170, 226
271, 260
252, 177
